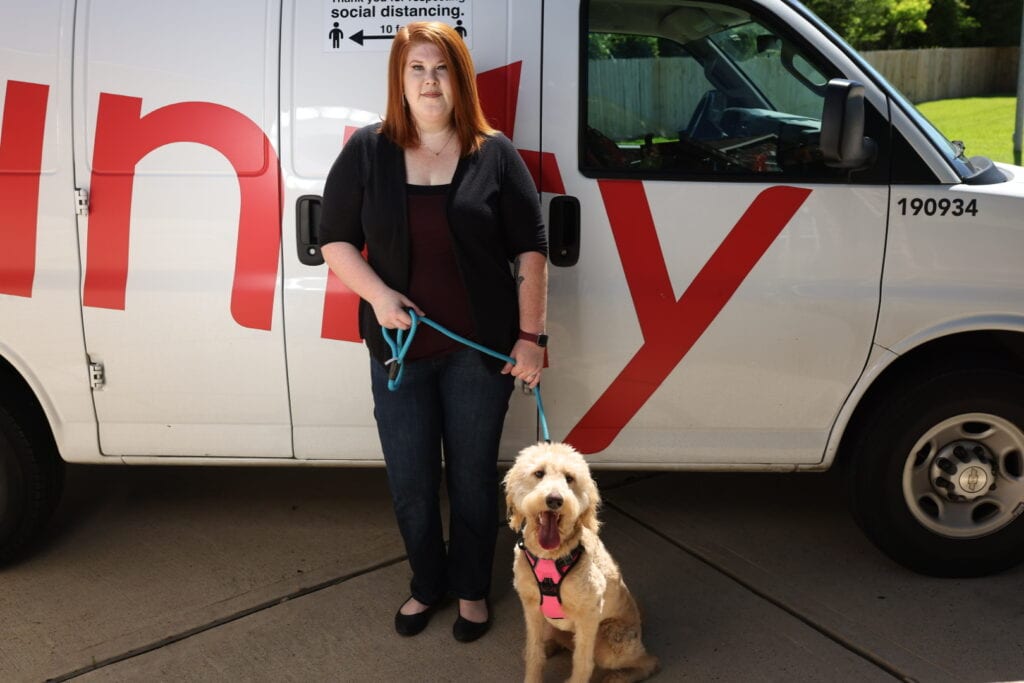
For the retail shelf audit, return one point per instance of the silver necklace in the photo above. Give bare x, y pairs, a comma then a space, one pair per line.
443, 148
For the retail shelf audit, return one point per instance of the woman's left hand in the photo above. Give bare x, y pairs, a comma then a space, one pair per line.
529, 363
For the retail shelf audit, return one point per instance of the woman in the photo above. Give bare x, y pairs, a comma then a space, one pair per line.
451, 222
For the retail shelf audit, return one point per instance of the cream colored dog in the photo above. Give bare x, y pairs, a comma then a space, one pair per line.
553, 501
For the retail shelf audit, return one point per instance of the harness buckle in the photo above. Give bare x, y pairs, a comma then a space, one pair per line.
548, 588
564, 564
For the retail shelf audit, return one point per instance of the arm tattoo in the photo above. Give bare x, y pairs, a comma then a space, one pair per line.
515, 272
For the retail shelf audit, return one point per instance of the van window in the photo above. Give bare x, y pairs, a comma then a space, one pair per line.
696, 90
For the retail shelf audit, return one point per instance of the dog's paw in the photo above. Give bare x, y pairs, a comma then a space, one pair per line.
578, 677
642, 670
619, 677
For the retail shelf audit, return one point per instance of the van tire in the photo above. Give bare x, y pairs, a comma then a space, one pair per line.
901, 495
31, 479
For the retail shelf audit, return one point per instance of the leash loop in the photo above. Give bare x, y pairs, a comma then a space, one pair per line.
399, 344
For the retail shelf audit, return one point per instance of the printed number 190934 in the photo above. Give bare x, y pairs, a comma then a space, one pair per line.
931, 206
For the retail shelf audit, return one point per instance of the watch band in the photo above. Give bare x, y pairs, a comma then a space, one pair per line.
540, 340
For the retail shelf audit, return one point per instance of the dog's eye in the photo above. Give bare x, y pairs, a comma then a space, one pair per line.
539, 474
569, 479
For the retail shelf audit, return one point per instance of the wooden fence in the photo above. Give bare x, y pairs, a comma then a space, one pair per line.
629, 98
943, 73
632, 97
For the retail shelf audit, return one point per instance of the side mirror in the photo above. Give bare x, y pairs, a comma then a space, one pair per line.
842, 140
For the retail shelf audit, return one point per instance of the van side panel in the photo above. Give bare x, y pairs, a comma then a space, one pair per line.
41, 335
953, 262
176, 135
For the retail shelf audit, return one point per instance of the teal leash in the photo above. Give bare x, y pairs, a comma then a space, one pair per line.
399, 345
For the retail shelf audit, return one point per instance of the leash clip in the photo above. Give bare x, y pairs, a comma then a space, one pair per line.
394, 366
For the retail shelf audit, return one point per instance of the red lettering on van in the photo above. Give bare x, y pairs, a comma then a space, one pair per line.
670, 328
21, 159
340, 319
341, 311
498, 90
544, 168
124, 137
499, 97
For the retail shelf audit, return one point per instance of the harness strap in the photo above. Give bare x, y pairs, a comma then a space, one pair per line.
549, 575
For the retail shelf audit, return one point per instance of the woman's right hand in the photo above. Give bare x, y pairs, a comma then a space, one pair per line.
392, 310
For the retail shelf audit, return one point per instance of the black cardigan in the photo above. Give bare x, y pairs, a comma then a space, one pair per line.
493, 214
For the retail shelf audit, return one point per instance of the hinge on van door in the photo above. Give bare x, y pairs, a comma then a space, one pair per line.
81, 201
96, 376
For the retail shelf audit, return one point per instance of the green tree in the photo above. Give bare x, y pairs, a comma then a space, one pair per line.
874, 24
621, 46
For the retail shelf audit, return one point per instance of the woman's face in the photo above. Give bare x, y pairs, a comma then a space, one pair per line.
427, 84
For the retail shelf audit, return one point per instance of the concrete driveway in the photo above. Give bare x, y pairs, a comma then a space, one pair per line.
203, 574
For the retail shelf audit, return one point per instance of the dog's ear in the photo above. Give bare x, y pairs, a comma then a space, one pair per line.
588, 518
512, 514
515, 517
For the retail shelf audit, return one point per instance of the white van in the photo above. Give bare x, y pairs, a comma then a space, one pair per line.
764, 258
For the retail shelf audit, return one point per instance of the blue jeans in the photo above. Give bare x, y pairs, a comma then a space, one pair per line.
452, 405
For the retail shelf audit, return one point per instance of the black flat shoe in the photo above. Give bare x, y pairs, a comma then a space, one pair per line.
466, 631
411, 624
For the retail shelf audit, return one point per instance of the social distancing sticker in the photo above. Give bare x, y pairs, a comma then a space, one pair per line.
361, 25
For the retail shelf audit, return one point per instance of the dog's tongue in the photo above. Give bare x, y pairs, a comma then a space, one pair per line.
549, 530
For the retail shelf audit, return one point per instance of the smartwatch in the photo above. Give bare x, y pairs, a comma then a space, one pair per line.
540, 340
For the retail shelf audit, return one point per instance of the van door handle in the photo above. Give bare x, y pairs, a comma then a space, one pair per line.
307, 230
564, 231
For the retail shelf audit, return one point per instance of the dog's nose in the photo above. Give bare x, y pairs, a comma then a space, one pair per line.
554, 502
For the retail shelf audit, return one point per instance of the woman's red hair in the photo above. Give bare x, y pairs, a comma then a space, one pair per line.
468, 118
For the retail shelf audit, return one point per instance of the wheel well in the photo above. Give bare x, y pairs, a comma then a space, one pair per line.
18, 399
990, 348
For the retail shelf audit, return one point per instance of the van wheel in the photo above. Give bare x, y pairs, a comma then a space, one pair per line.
31, 477
937, 475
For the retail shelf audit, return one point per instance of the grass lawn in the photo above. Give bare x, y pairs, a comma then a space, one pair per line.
985, 124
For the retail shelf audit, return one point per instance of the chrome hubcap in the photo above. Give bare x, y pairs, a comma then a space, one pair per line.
964, 478
963, 471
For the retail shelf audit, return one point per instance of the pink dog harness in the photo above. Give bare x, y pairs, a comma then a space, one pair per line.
549, 575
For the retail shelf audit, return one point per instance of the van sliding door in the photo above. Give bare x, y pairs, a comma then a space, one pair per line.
334, 81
